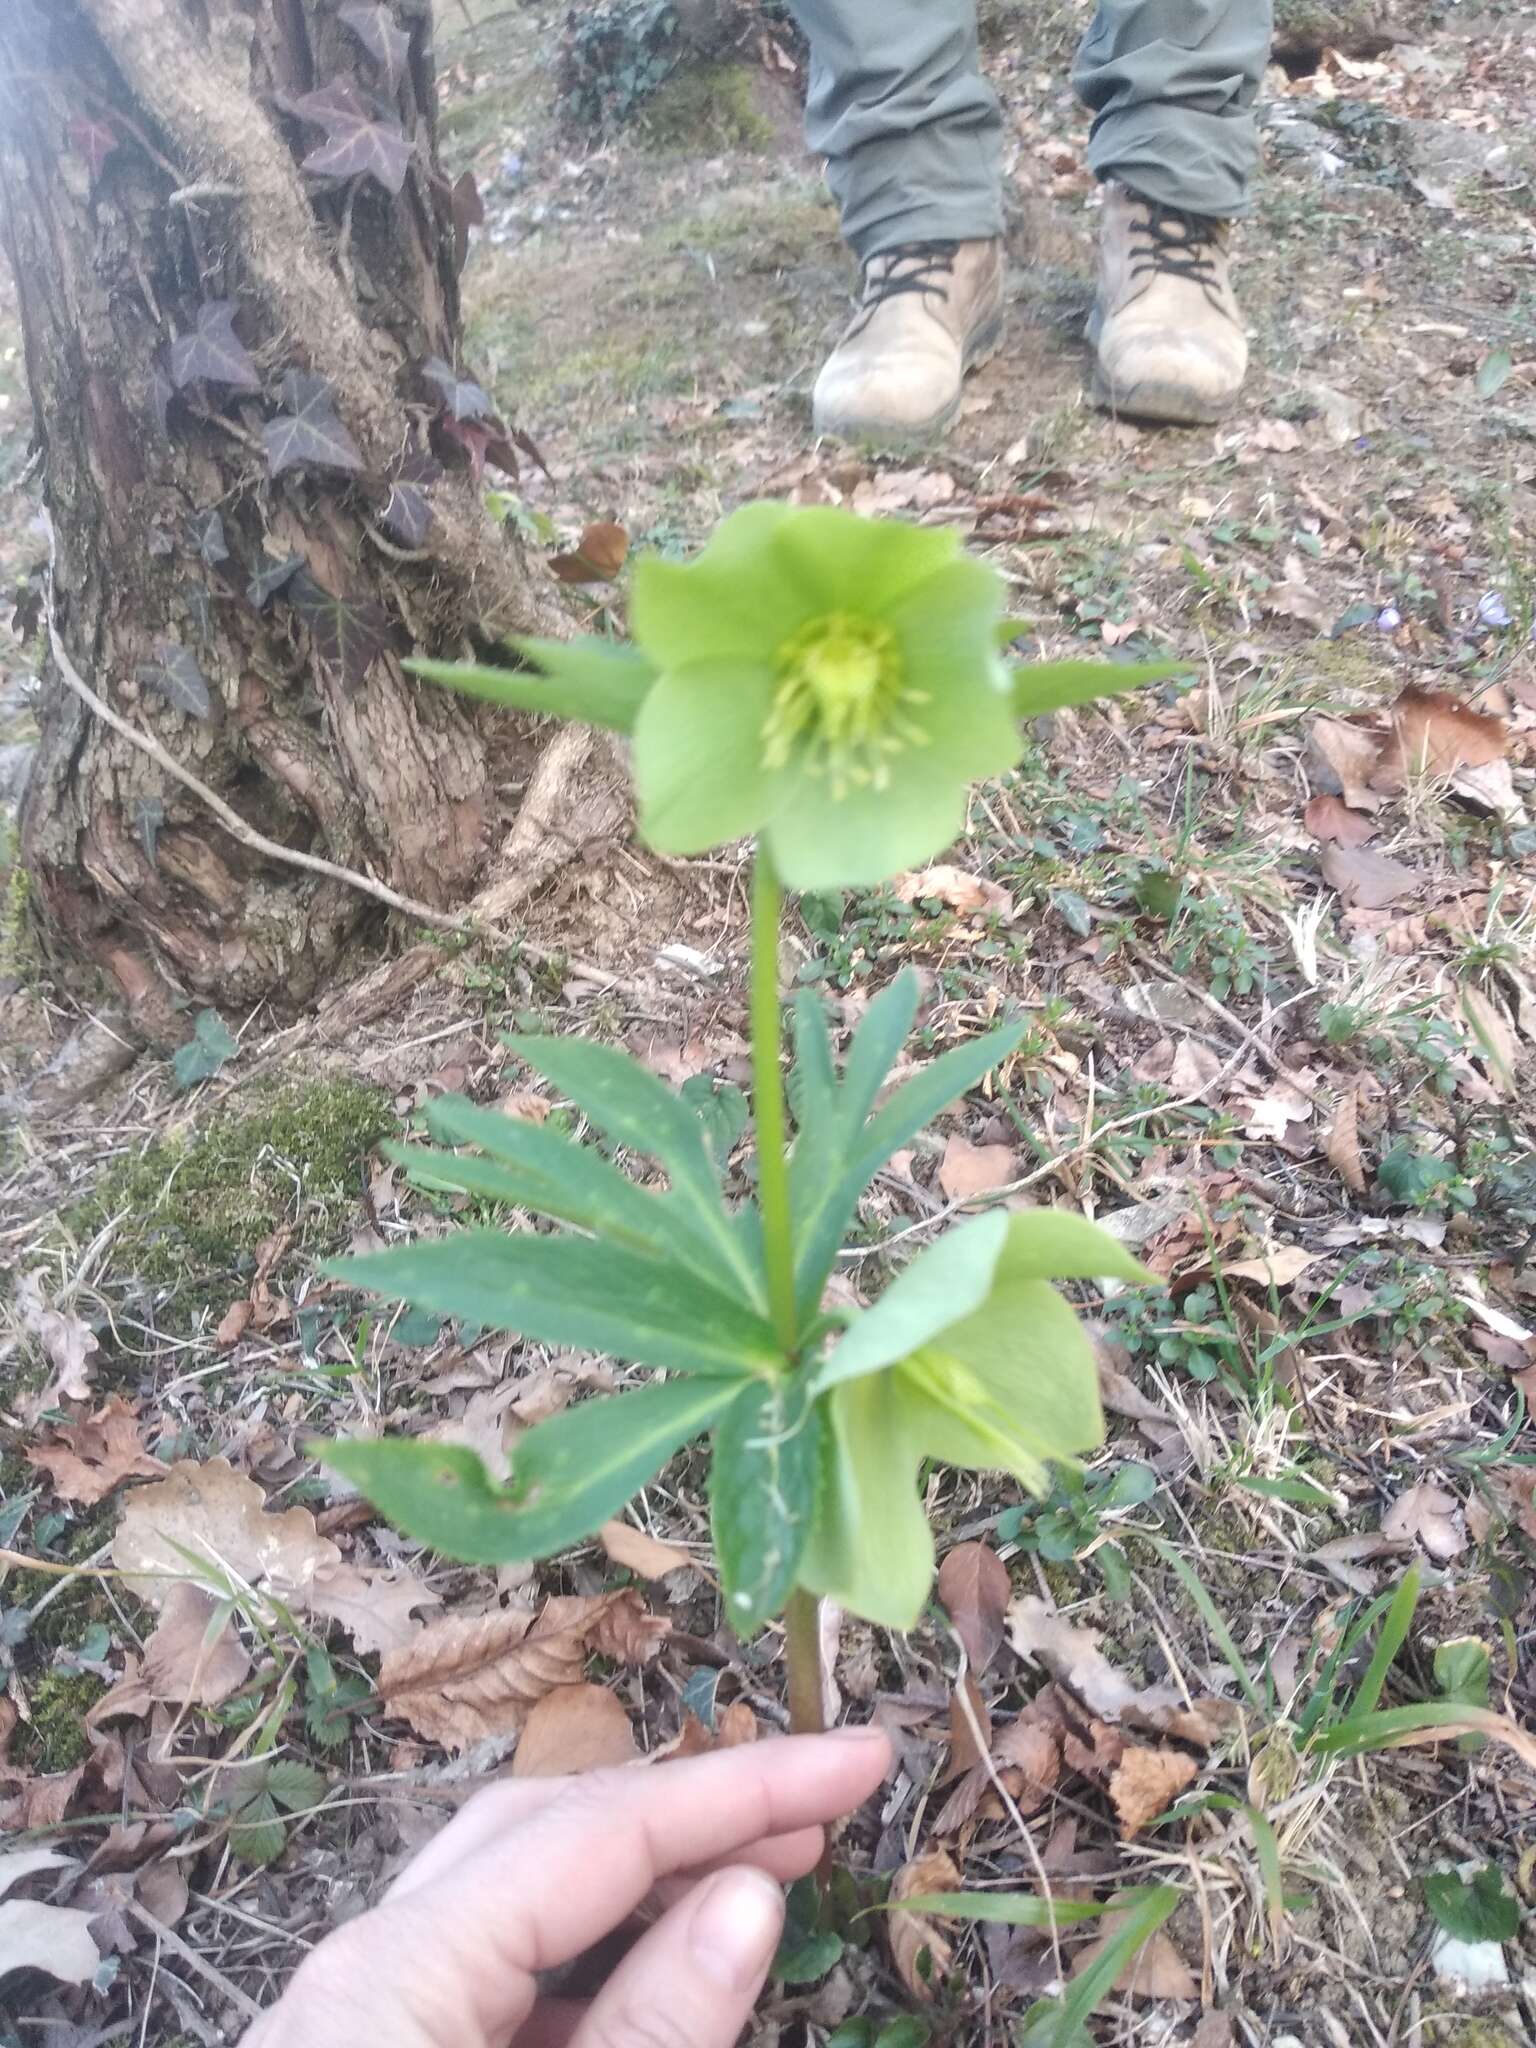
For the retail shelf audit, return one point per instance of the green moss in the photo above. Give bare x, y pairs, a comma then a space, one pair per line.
207, 1198
707, 109
55, 1738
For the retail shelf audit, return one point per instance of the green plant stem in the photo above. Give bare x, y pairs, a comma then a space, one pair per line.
768, 1104
802, 1639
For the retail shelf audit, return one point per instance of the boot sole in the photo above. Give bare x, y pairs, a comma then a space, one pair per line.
1170, 405
981, 346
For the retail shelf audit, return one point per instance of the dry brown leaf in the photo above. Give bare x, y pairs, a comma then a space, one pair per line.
1271, 1114
574, 1728
466, 1677
1071, 1654
1214, 2031
525, 1107
67, 1344
1195, 1068
233, 1323
965, 1749
735, 1725
897, 490
161, 1889
909, 1933
1157, 1970
639, 1552
186, 1665
88, 1459
1280, 1266
1348, 757
974, 1587
597, 557
1294, 598
1029, 1753
968, 1169
1344, 1141
1369, 881
1435, 734
1330, 820
376, 1606
617, 1625
1146, 1782
1497, 1045
1278, 436
966, 893
1429, 1516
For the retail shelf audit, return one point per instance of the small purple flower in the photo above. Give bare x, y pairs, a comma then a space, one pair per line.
1492, 610
1389, 618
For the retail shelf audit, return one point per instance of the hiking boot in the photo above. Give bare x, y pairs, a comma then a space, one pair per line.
931, 312
1166, 331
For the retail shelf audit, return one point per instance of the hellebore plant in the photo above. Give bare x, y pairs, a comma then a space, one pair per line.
830, 685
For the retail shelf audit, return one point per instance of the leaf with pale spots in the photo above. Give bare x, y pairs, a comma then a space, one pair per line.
174, 673
762, 1489
213, 351
358, 143
308, 435
349, 633
408, 515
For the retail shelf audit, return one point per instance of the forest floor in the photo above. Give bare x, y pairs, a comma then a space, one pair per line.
1273, 935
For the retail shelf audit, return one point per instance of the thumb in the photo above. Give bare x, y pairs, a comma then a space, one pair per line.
692, 1981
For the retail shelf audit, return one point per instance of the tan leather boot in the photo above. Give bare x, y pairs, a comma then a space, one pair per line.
1166, 331
930, 312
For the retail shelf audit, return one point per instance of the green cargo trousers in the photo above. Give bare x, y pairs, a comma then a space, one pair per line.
912, 133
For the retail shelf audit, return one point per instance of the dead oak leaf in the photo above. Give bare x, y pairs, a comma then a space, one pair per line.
970, 895
921, 1954
1071, 1654
966, 1169
1429, 1516
574, 1728
194, 1657
88, 1459
1366, 880
68, 1345
1146, 1782
1028, 1756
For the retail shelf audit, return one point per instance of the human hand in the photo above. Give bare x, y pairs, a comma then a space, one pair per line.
533, 1872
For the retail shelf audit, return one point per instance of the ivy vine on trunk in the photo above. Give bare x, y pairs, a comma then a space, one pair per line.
238, 260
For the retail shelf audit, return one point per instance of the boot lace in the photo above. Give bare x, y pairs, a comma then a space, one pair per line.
1179, 244
921, 267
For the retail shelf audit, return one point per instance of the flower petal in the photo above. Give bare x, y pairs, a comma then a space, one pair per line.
870, 1548
950, 1280
698, 756
738, 599
821, 842
1058, 1244
851, 564
947, 634
1031, 1359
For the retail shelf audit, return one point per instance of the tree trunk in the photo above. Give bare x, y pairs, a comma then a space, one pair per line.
237, 260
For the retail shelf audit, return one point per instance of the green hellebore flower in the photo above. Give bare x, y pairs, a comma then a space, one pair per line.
971, 1357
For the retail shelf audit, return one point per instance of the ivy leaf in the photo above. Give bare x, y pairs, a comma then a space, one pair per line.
268, 581
94, 141
386, 43
350, 633
175, 674
463, 398
408, 515
357, 142
308, 435
148, 817
1479, 1908
208, 538
209, 1048
762, 1489
468, 212
213, 351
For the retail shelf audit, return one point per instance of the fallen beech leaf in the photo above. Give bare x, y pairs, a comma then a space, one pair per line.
1429, 1516
597, 557
1489, 788
617, 1625
67, 1344
1346, 755
89, 1459
1330, 820
1071, 1654
1369, 880
1435, 734
182, 1664
910, 1935
968, 1169
54, 1939
1157, 1970
1281, 1266
969, 894
639, 1552
974, 1587
1145, 1782
574, 1728
1344, 1141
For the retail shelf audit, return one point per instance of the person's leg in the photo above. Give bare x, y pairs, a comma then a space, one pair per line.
909, 127
912, 137
1171, 85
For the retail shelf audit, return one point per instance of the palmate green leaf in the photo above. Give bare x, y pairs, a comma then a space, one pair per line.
538, 1169
1054, 685
630, 1105
594, 682
1481, 1907
569, 1474
574, 1291
763, 1481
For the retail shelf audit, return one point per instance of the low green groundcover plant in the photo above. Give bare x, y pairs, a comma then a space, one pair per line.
830, 685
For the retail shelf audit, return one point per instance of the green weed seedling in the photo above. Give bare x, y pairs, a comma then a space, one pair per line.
1072, 1520
830, 686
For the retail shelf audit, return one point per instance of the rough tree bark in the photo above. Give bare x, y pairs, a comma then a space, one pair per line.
187, 284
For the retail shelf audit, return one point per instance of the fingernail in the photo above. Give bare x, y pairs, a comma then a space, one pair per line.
736, 1929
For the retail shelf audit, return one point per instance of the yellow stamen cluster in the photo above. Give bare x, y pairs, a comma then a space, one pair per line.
839, 705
